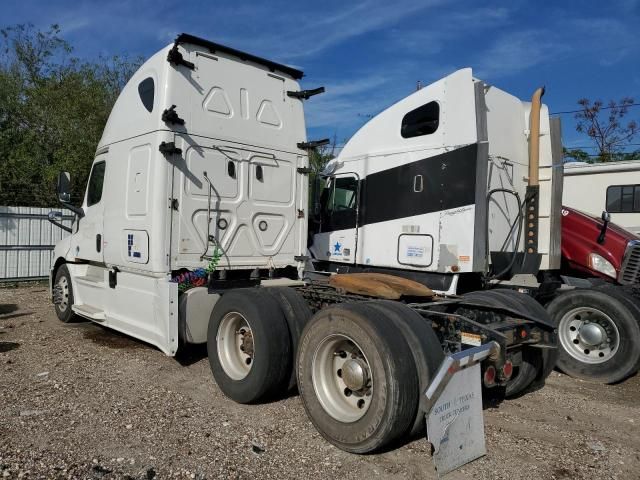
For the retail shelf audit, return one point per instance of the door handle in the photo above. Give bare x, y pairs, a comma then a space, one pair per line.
418, 184
98, 242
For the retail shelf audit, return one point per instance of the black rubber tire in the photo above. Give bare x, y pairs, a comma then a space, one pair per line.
297, 313
67, 315
395, 394
533, 364
625, 361
272, 358
424, 346
627, 294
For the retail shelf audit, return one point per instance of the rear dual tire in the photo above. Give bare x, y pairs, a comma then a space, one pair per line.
297, 314
249, 346
357, 380
252, 339
424, 348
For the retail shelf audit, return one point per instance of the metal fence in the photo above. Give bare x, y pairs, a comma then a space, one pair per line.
27, 239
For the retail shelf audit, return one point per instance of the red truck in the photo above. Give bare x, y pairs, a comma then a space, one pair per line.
598, 321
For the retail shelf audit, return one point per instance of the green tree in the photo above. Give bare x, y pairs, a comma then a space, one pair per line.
606, 125
53, 108
635, 155
318, 159
575, 155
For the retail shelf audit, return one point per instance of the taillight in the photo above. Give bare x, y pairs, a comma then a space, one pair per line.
507, 370
490, 376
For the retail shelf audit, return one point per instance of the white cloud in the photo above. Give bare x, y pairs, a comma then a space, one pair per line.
446, 28
517, 51
305, 33
609, 40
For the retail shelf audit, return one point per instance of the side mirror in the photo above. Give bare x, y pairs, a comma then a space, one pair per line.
63, 187
606, 218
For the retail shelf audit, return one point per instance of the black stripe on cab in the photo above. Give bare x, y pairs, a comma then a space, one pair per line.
448, 181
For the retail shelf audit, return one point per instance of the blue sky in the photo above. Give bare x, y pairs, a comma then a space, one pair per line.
369, 54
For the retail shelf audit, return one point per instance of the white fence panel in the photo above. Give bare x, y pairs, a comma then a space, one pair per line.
27, 239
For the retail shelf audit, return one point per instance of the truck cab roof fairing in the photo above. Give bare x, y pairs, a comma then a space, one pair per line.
130, 117
382, 134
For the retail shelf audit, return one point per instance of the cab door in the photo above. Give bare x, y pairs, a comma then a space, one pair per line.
338, 235
87, 241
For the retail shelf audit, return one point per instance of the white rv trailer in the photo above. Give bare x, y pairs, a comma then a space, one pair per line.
201, 177
611, 186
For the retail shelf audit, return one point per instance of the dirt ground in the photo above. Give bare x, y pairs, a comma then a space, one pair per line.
80, 401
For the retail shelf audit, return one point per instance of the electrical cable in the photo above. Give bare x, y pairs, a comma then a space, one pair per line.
601, 108
519, 221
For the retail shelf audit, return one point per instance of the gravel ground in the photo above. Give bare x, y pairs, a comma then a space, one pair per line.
81, 401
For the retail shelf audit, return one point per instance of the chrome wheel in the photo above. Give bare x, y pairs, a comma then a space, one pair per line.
61, 294
589, 335
235, 345
342, 378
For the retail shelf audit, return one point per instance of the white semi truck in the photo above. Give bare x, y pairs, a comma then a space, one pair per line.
194, 229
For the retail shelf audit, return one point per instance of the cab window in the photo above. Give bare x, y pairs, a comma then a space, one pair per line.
339, 202
96, 181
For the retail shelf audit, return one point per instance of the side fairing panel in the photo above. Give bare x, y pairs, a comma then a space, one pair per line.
137, 207
508, 131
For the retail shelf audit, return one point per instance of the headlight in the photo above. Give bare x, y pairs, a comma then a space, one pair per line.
602, 265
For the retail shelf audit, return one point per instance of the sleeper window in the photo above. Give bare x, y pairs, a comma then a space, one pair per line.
423, 120
146, 90
96, 181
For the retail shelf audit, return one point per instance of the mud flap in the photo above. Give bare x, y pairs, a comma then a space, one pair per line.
455, 423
